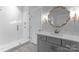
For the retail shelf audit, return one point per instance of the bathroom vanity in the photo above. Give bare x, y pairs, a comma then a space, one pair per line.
57, 43
58, 18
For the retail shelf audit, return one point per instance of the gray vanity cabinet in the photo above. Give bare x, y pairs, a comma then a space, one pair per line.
42, 44
48, 44
54, 40
72, 45
53, 44
56, 45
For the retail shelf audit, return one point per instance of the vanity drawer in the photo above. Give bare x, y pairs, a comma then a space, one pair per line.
41, 37
71, 44
54, 40
57, 48
66, 43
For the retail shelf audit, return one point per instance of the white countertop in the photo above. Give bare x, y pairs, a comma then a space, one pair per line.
62, 36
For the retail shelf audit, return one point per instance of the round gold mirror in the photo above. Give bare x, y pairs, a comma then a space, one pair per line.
58, 17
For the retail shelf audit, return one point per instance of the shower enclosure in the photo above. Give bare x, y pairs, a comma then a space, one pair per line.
13, 30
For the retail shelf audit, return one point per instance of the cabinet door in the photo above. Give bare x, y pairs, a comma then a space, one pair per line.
53, 47
41, 43
54, 43
75, 45
54, 40
66, 43
71, 45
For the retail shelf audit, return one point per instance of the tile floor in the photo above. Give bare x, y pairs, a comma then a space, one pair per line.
27, 47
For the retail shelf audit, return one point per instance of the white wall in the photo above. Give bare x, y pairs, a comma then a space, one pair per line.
36, 25
35, 16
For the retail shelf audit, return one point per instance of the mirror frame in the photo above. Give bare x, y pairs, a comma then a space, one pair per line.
58, 26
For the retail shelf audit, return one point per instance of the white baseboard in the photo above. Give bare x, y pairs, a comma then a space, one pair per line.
13, 44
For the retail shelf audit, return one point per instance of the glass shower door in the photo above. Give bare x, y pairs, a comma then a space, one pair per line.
8, 26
